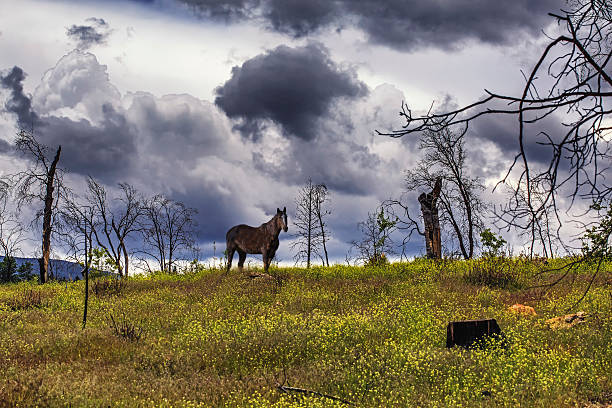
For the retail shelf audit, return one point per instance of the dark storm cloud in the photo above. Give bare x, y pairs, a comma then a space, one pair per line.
503, 132
293, 87
355, 173
18, 103
222, 10
412, 24
103, 151
189, 130
297, 17
216, 214
87, 36
399, 24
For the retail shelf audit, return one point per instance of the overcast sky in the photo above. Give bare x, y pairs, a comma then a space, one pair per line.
230, 106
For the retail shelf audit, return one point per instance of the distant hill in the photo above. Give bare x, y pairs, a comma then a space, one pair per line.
58, 268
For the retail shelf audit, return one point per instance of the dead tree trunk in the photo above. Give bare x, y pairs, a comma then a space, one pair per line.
433, 243
46, 242
86, 280
322, 226
309, 249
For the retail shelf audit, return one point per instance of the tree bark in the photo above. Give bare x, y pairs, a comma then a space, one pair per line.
322, 232
309, 224
46, 241
86, 280
429, 209
126, 259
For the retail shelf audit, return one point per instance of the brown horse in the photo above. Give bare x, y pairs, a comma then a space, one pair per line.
256, 240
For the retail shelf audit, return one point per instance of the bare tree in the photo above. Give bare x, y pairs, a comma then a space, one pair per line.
570, 82
11, 231
76, 233
115, 220
459, 201
168, 229
321, 212
41, 182
310, 224
376, 240
542, 232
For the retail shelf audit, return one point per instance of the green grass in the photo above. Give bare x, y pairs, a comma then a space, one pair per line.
374, 336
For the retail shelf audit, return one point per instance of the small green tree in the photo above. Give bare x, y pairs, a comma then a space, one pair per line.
491, 242
101, 262
8, 270
376, 242
596, 248
596, 240
26, 271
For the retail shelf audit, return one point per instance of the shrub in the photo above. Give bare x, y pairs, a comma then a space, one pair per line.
108, 286
377, 260
125, 329
495, 271
8, 269
28, 299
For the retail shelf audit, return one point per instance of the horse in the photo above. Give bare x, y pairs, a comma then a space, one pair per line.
256, 240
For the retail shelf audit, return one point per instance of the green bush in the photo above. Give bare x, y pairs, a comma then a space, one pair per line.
8, 269
496, 271
377, 260
491, 242
26, 271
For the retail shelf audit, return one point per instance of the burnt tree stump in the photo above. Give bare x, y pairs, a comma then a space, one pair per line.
466, 333
429, 209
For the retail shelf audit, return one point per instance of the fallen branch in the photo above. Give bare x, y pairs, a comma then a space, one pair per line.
255, 275
285, 389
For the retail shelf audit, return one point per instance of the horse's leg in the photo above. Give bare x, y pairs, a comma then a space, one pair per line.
270, 258
230, 254
266, 261
241, 259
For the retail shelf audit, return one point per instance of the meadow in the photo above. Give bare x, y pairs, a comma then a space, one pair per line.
370, 336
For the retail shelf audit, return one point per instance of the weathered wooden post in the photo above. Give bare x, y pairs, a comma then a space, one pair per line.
429, 209
468, 332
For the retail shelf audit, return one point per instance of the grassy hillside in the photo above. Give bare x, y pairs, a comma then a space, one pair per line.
373, 336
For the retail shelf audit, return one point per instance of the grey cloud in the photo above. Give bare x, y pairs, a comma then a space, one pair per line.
103, 151
294, 17
408, 25
178, 125
18, 103
87, 36
222, 10
503, 132
100, 22
341, 165
216, 214
293, 87
167, 144
5, 147
399, 24
299, 18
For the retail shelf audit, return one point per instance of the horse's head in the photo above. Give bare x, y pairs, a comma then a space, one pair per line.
281, 217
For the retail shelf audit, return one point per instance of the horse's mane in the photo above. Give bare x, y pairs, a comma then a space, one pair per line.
270, 226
